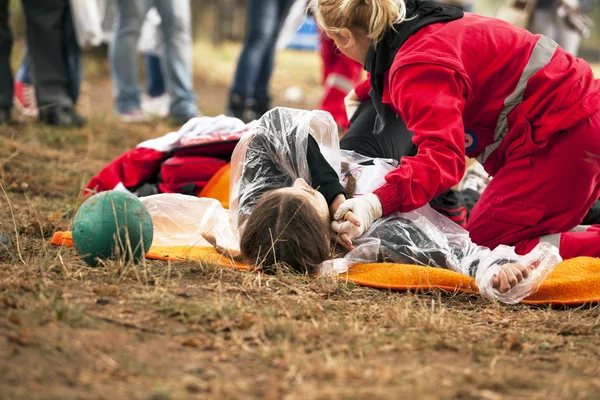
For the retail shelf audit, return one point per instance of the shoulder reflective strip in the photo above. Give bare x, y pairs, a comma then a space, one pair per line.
554, 240
540, 57
580, 228
339, 82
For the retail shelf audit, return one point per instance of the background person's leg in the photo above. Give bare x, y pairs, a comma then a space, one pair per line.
178, 62
74, 59
155, 83
261, 17
24, 91
124, 58
260, 95
24, 73
567, 38
45, 38
543, 194
156, 101
543, 22
6, 78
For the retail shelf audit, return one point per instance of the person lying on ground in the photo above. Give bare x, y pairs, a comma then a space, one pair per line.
285, 220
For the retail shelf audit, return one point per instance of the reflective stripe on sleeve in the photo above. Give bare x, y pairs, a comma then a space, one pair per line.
339, 82
540, 57
554, 240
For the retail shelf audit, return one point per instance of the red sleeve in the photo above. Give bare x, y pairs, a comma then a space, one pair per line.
131, 168
362, 89
431, 99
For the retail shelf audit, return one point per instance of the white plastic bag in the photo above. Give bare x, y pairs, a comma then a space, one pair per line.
87, 23
368, 173
181, 220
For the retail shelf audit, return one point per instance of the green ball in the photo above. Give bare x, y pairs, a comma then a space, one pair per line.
112, 226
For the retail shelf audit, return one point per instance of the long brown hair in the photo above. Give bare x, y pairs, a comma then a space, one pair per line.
285, 229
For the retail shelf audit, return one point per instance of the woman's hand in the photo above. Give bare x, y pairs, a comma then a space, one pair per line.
510, 276
353, 217
343, 238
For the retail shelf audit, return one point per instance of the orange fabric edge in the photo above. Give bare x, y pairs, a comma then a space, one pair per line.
163, 253
62, 239
218, 186
65, 239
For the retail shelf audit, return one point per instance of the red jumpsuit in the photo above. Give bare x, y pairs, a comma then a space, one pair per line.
340, 74
525, 108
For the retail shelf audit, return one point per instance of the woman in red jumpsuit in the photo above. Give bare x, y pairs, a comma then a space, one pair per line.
476, 86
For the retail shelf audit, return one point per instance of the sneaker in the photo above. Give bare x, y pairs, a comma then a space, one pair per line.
257, 108
24, 99
61, 117
475, 178
179, 120
134, 116
157, 106
236, 106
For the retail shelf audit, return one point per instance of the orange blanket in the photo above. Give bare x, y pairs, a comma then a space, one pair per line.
573, 282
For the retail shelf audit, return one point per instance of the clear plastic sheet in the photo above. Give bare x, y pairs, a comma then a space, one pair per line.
368, 172
181, 220
541, 261
425, 237
272, 155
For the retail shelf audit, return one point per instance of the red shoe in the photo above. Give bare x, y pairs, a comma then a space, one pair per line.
24, 99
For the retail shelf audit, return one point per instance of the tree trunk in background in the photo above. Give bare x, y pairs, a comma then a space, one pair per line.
219, 20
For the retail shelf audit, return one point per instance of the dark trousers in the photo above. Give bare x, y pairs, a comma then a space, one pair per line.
45, 21
265, 19
395, 140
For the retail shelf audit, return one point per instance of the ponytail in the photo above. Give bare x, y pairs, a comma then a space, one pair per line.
373, 16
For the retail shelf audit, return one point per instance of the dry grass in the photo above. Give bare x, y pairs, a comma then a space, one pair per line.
187, 330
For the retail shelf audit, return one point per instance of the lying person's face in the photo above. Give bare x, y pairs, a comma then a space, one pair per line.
312, 196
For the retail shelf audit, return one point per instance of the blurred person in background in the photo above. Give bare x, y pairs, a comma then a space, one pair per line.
156, 100
48, 22
340, 75
175, 26
249, 94
24, 90
562, 20
100, 29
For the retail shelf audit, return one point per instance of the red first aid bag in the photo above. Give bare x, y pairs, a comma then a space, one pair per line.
187, 174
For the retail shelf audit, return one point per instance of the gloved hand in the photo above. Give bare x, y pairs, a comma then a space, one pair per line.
351, 102
355, 216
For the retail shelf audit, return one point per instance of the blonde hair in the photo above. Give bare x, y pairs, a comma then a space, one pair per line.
373, 16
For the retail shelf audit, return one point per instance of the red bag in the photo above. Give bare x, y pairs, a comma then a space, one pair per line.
187, 174
185, 169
